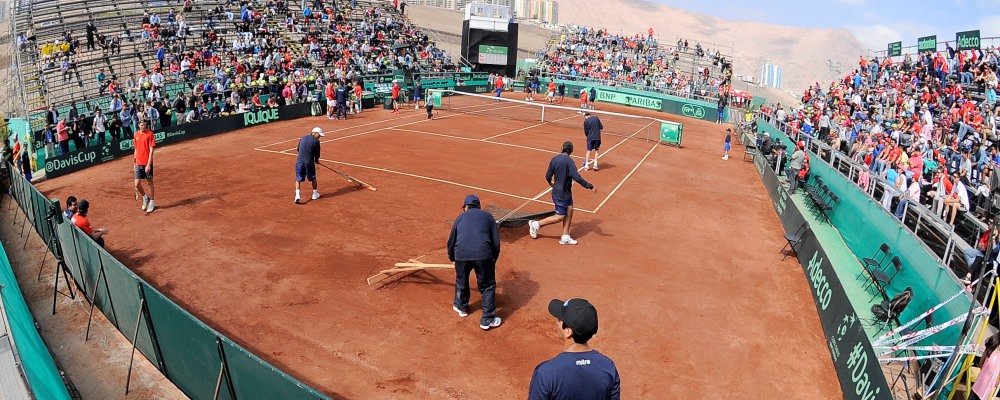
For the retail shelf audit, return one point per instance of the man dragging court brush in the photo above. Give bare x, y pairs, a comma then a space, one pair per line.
305, 163
561, 174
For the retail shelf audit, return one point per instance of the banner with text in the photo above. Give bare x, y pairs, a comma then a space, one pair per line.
968, 40
94, 155
895, 49
857, 366
927, 43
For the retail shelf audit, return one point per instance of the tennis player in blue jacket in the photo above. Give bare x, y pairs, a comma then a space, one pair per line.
561, 174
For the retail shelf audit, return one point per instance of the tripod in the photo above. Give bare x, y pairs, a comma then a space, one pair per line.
57, 252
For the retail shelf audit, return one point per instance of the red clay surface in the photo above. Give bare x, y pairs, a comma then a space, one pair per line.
681, 261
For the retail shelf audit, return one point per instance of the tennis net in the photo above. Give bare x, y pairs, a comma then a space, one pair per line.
542, 112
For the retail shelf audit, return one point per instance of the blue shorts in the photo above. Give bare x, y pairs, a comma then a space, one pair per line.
499, 91
727, 146
305, 171
561, 205
417, 97
593, 145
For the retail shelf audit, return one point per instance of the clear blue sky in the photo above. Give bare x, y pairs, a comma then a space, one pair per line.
874, 22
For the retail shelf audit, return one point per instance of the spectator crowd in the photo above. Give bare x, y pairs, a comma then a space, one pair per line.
925, 124
228, 63
639, 60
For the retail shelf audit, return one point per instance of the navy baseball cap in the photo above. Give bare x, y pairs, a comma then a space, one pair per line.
471, 200
577, 314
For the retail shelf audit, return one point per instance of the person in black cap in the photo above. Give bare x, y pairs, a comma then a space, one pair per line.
474, 245
579, 372
561, 174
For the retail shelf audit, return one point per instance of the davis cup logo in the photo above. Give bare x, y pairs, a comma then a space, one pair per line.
694, 111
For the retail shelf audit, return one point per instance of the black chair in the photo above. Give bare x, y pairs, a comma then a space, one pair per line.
887, 312
882, 279
794, 239
871, 263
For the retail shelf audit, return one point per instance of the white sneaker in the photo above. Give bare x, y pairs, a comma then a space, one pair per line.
315, 195
297, 200
145, 202
533, 229
725, 157
496, 322
461, 313
567, 240
150, 207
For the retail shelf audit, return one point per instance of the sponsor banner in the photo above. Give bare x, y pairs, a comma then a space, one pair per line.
968, 40
927, 43
670, 132
895, 49
629, 99
858, 369
94, 155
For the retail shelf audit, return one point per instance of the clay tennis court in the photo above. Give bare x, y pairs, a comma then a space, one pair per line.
678, 251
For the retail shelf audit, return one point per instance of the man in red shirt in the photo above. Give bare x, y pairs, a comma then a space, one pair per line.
144, 143
331, 103
81, 221
395, 96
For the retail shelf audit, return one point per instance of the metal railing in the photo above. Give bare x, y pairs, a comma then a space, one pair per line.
630, 85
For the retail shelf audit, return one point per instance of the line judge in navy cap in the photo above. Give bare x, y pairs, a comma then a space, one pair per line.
579, 372
474, 245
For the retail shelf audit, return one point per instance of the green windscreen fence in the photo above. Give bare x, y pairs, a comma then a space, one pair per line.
36, 360
188, 352
865, 225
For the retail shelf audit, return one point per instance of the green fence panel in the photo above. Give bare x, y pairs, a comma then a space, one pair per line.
90, 261
254, 378
125, 296
67, 240
865, 225
189, 348
39, 367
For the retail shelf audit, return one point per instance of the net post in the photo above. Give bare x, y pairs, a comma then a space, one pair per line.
543, 113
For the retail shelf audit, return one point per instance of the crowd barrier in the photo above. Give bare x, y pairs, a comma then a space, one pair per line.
857, 366
648, 100
864, 225
36, 361
199, 360
94, 155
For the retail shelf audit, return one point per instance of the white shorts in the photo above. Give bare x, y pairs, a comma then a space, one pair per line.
552, 94
331, 102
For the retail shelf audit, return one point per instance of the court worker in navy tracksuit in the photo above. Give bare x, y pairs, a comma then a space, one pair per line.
474, 245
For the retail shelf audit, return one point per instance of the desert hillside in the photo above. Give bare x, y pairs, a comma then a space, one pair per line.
801, 52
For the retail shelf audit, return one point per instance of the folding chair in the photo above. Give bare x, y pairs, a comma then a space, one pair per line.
881, 279
888, 311
871, 263
794, 239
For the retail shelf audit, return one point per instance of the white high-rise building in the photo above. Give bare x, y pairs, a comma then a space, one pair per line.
547, 11
770, 74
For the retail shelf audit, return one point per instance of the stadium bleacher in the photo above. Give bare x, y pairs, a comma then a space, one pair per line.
638, 60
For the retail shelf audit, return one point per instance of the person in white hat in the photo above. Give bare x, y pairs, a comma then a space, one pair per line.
305, 163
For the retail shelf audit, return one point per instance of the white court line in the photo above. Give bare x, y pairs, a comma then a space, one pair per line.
359, 126
626, 178
526, 128
430, 179
479, 141
386, 128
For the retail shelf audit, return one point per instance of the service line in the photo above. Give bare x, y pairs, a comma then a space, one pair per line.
430, 179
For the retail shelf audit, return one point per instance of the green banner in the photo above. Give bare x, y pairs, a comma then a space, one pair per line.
486, 49
895, 49
670, 132
927, 43
968, 40
629, 99
434, 96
